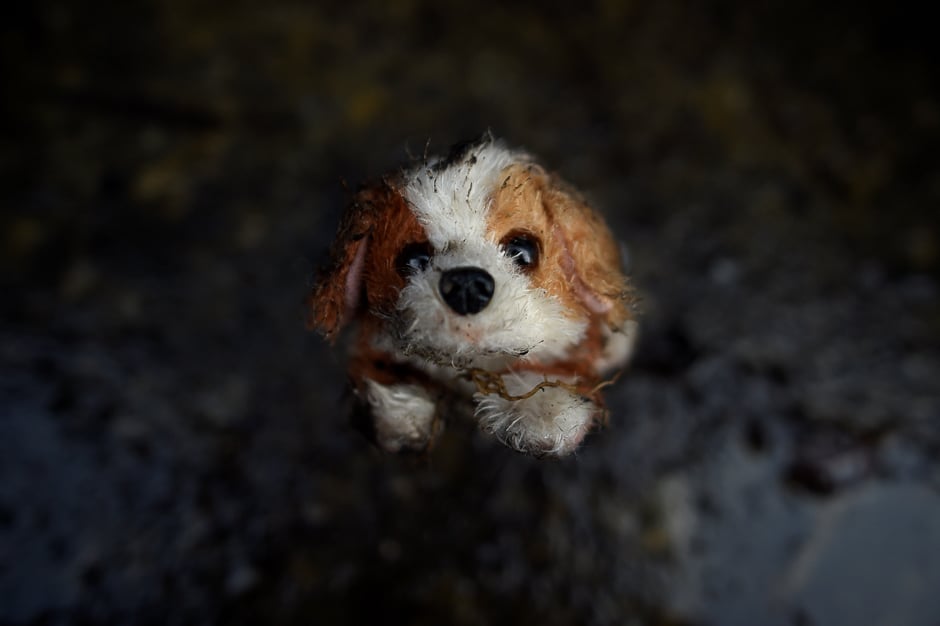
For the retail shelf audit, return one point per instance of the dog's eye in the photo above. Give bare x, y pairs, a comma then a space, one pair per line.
413, 258
523, 250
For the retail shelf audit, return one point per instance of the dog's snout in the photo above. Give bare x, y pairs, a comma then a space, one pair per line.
467, 290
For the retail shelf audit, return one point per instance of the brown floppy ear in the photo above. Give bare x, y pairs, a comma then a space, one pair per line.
336, 294
591, 258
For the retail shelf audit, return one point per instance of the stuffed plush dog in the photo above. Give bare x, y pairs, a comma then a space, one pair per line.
481, 275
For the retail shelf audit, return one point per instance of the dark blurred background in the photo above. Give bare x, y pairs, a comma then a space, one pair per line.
174, 446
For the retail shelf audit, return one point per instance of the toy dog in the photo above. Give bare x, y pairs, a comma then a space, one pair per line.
481, 275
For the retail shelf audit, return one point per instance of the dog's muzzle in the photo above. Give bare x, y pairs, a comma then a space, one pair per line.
467, 290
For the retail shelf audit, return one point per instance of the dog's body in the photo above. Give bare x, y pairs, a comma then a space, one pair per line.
477, 271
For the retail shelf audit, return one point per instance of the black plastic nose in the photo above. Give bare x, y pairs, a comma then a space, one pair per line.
467, 290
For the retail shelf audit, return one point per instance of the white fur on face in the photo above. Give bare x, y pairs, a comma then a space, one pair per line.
520, 321
452, 203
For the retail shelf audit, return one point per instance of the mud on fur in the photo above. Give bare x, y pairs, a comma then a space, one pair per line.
482, 276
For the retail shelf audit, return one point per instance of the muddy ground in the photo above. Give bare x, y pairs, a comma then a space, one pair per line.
174, 446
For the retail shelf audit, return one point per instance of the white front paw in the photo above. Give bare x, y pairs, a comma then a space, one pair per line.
618, 347
403, 416
552, 421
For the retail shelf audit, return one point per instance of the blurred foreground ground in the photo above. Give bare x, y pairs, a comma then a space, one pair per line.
173, 444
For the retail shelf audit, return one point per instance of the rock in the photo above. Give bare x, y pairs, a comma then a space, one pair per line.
872, 559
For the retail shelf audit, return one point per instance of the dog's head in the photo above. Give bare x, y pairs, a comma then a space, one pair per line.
474, 259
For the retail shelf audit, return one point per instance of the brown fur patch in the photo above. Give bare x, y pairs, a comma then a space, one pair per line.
518, 206
378, 218
592, 260
394, 228
580, 262
368, 362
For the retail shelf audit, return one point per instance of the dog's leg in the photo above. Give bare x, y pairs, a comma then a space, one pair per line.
618, 347
403, 415
553, 421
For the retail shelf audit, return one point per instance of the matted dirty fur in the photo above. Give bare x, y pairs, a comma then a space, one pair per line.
477, 274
